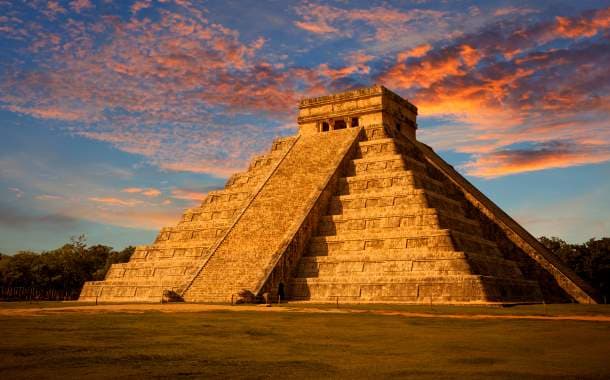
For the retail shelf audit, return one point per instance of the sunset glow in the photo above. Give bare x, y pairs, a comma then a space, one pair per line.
115, 116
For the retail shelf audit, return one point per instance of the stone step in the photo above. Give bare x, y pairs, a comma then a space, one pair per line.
424, 289
397, 262
222, 206
392, 197
158, 263
155, 271
282, 143
205, 214
424, 218
200, 224
375, 132
189, 247
166, 282
383, 163
441, 239
226, 195
160, 253
389, 146
377, 147
204, 237
399, 179
120, 293
244, 182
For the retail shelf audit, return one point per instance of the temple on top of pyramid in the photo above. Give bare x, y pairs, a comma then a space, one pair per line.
352, 209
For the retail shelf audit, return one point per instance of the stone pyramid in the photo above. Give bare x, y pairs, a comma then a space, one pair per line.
352, 209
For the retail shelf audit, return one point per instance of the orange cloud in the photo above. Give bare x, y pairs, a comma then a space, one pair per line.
430, 69
149, 192
548, 156
582, 26
509, 98
416, 52
189, 195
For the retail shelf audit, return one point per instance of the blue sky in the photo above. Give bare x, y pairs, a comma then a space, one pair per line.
115, 116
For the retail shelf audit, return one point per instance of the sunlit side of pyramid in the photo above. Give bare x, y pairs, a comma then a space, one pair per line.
352, 209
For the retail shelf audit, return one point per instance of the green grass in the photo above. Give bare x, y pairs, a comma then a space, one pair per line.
244, 344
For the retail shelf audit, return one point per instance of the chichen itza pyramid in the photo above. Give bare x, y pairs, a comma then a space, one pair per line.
352, 209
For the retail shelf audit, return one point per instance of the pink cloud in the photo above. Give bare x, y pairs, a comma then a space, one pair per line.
139, 5
79, 5
557, 155
189, 195
112, 201
148, 192
514, 11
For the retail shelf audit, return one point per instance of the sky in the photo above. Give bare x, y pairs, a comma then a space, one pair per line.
115, 116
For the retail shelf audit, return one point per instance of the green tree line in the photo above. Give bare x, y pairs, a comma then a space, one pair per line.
590, 260
65, 268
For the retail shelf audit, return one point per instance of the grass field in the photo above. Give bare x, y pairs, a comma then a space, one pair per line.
255, 344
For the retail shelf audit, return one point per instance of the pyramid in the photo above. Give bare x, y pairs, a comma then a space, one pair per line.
352, 209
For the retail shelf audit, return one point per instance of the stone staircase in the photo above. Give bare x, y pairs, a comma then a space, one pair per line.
395, 232
248, 252
178, 251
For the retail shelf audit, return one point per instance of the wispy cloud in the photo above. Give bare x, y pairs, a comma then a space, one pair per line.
17, 191
189, 195
115, 201
169, 89
149, 192
79, 5
48, 197
169, 82
551, 154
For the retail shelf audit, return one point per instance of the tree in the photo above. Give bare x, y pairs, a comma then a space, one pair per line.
590, 260
65, 268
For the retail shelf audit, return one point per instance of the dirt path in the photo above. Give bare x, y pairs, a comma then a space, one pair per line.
199, 308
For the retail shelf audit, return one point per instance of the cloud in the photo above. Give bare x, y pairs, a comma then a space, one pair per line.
385, 21
12, 218
139, 5
149, 192
79, 5
48, 197
86, 197
499, 87
174, 85
385, 28
514, 11
53, 8
551, 154
454, 61
585, 26
174, 88
112, 201
189, 195
17, 191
